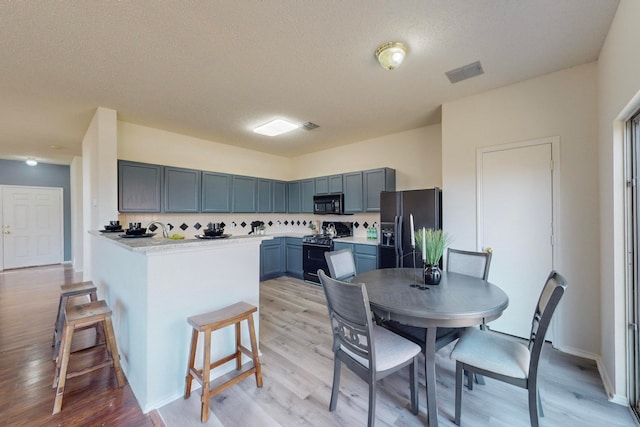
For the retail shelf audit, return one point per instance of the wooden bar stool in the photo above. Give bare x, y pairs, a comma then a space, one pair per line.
207, 322
79, 316
67, 292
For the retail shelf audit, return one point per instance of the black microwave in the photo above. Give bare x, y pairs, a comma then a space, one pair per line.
326, 204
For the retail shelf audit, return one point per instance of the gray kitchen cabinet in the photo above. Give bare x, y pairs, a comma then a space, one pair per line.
216, 192
293, 196
272, 258
335, 183
375, 181
293, 253
322, 185
307, 191
181, 190
329, 184
365, 256
279, 197
353, 195
243, 194
139, 187
265, 195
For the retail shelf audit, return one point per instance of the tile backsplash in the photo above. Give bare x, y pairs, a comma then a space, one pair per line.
238, 224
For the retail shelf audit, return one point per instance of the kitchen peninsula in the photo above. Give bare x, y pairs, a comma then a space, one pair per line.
153, 285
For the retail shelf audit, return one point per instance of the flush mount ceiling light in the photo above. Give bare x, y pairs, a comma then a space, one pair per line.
31, 161
391, 54
276, 127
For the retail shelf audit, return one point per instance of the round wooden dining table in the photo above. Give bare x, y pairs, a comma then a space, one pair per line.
459, 301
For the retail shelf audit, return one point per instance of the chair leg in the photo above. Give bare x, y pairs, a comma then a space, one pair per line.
336, 383
533, 405
372, 401
458, 392
469, 376
206, 368
192, 360
413, 378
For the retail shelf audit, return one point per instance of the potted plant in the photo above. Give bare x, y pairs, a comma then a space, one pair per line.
431, 243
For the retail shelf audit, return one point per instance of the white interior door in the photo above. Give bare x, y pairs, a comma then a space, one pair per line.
32, 226
515, 200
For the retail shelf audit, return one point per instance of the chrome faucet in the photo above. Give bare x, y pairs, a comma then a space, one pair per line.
165, 233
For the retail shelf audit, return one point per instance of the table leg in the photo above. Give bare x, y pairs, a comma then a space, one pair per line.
430, 375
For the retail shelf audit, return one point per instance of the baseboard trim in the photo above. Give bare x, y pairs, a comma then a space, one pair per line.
606, 381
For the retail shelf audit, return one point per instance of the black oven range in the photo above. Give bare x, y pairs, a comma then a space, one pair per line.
315, 245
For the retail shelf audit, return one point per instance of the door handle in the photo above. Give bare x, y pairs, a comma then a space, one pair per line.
7, 232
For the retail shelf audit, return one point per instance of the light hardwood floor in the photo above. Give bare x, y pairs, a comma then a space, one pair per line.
295, 341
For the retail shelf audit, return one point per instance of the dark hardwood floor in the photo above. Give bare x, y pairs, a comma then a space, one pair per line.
28, 306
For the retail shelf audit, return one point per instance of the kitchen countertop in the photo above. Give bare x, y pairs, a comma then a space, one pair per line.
158, 243
358, 240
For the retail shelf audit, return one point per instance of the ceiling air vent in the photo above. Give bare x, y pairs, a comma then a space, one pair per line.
465, 72
309, 126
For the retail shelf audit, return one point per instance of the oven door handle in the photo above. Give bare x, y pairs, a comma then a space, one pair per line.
316, 245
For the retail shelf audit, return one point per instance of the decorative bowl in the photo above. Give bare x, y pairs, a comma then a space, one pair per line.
113, 227
213, 233
136, 231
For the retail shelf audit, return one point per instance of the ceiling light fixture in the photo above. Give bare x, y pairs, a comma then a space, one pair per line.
31, 161
276, 127
391, 54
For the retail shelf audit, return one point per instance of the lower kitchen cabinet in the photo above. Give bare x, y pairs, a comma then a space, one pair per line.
272, 258
293, 253
365, 256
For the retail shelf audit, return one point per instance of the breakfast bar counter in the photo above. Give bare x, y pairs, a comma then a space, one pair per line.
153, 284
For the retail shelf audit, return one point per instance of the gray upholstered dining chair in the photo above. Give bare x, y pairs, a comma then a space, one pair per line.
341, 264
471, 263
496, 356
368, 350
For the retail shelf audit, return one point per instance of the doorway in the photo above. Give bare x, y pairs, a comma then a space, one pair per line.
633, 244
516, 222
32, 226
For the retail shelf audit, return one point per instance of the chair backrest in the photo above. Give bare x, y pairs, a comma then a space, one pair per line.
474, 264
341, 264
549, 299
350, 316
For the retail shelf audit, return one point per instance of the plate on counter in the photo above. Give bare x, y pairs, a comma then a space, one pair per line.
112, 231
202, 236
133, 236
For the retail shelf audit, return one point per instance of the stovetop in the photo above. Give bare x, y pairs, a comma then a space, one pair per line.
318, 239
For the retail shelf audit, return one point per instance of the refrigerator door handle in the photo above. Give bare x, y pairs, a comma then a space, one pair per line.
398, 242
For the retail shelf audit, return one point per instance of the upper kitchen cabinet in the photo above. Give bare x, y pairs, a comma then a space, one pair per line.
322, 185
307, 191
335, 184
329, 184
353, 195
216, 192
181, 190
293, 196
139, 187
375, 181
279, 197
265, 195
243, 195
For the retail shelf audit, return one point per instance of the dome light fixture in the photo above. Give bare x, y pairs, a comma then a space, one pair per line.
391, 54
31, 161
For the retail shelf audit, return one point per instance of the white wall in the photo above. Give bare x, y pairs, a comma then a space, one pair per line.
149, 145
560, 104
618, 88
414, 154
75, 174
100, 177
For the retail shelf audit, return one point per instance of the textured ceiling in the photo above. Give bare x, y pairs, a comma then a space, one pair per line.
216, 69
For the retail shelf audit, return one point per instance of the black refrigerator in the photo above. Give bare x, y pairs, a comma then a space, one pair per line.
395, 248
